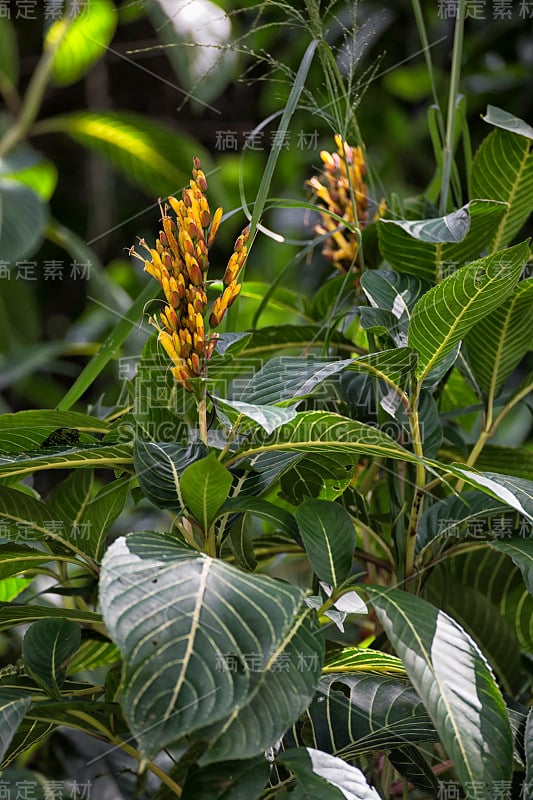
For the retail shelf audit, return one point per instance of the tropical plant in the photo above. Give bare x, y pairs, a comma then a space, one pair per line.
336, 598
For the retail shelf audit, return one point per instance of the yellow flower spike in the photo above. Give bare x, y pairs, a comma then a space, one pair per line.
217, 313
152, 270
200, 325
215, 224
166, 341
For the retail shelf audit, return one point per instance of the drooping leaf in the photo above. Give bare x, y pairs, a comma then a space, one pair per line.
431, 249
84, 42
205, 485
186, 625
503, 170
363, 659
100, 513
27, 430
521, 552
515, 492
78, 456
445, 314
272, 513
46, 649
328, 535
93, 654
499, 341
149, 154
324, 478
13, 707
322, 775
12, 614
413, 767
455, 683
269, 417
15, 558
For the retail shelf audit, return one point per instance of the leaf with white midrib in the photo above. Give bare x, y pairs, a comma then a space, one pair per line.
445, 314
176, 615
13, 707
496, 345
455, 683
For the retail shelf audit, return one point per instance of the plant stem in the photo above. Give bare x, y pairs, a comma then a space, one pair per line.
202, 417
418, 496
34, 94
447, 153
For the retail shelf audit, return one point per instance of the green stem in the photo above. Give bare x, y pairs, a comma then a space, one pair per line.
447, 154
33, 98
418, 496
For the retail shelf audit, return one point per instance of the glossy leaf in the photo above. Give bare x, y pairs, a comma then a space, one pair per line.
78, 456
268, 417
12, 614
84, 42
445, 314
205, 485
27, 430
10, 588
16, 558
322, 775
503, 170
46, 649
515, 492
179, 619
496, 345
328, 535
455, 683
363, 659
432, 248
159, 465
521, 552
413, 767
272, 513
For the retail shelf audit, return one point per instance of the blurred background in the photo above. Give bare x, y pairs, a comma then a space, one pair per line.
143, 86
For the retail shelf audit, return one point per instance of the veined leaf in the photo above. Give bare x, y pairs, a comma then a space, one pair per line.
413, 767
269, 417
158, 466
17, 558
101, 455
12, 614
499, 341
13, 707
100, 513
12, 587
205, 485
521, 552
432, 248
324, 477
515, 461
322, 775
445, 314
147, 153
359, 713
322, 432
25, 518
328, 535
363, 659
503, 170
269, 340
27, 430
84, 42
270, 512
515, 492
46, 648
92, 655
181, 621
455, 683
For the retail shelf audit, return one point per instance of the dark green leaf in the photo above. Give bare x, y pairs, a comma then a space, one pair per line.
18, 204
46, 649
13, 707
232, 780
328, 535
322, 775
159, 465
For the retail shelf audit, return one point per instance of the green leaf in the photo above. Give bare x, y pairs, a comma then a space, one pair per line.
413, 767
205, 485
147, 153
445, 314
187, 627
12, 587
232, 780
455, 683
267, 341
481, 618
12, 614
496, 345
270, 512
527, 786
432, 248
85, 41
328, 535
521, 552
324, 477
269, 417
320, 432
159, 465
363, 659
46, 649
18, 205
515, 492
354, 714
81, 456
322, 775
515, 461
16, 780
503, 170
99, 516
93, 655
17, 558
27, 166
27, 430
25, 518
13, 707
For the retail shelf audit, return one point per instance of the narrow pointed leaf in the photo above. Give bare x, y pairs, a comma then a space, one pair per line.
328, 535
445, 314
455, 683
